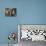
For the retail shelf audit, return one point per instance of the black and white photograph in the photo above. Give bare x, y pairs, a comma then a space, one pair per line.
10, 11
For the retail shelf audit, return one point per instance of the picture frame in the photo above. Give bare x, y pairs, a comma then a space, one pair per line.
10, 11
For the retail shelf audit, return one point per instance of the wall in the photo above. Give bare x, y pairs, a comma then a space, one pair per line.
28, 12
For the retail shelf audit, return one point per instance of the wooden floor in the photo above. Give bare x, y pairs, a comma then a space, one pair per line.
30, 43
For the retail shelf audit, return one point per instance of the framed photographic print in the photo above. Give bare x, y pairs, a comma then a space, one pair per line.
10, 11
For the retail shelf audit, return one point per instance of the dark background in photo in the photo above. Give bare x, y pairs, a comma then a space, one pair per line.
10, 11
